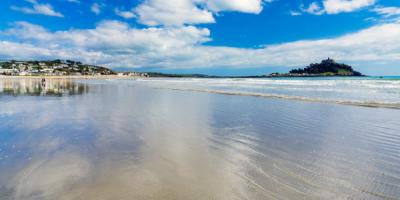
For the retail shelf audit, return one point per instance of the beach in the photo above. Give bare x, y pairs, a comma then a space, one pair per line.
69, 77
110, 138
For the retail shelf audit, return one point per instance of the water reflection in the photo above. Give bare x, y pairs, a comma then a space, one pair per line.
41, 87
132, 142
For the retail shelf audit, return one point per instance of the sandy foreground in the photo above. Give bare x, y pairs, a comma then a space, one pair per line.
71, 77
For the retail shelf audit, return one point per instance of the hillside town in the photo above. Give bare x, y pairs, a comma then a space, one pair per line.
57, 68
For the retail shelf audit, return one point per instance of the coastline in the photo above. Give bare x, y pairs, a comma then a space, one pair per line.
97, 77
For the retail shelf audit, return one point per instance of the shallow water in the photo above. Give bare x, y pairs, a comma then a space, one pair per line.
361, 91
125, 139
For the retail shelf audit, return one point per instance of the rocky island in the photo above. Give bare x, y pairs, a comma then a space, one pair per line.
328, 67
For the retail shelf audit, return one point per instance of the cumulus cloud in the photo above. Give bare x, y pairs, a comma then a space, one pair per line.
112, 35
249, 6
116, 44
172, 12
109, 40
38, 8
184, 12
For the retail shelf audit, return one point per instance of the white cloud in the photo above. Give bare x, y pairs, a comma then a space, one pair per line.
25, 30
248, 6
313, 8
172, 12
125, 14
184, 12
116, 44
338, 6
109, 40
38, 8
387, 12
96, 8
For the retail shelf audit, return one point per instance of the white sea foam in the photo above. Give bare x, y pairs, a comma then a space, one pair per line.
350, 91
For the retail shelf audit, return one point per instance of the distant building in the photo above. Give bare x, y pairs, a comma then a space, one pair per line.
139, 74
24, 73
7, 71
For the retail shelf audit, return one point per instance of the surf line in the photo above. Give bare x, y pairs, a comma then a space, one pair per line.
371, 104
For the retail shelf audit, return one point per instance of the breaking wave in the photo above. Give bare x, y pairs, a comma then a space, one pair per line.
299, 98
368, 92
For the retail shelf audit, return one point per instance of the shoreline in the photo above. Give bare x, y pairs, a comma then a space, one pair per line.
96, 77
177, 77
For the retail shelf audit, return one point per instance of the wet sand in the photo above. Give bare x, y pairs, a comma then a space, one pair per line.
121, 140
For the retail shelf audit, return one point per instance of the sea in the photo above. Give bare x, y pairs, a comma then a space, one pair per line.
188, 138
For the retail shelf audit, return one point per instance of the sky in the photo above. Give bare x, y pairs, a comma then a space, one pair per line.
219, 37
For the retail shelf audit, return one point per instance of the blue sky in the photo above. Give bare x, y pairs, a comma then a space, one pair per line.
205, 36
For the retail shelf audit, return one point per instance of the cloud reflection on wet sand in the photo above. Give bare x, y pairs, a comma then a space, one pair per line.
123, 141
